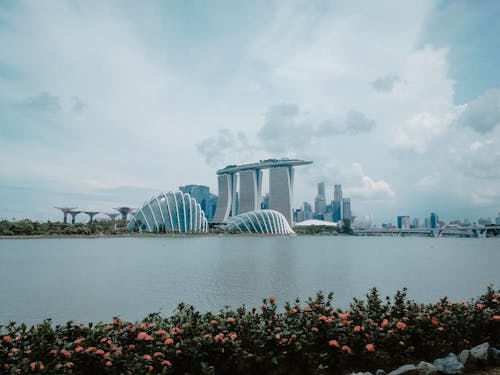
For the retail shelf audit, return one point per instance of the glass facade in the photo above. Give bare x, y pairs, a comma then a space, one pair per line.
261, 221
171, 212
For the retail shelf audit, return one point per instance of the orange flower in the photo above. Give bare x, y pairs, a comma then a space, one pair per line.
334, 343
166, 363
7, 339
147, 357
346, 349
400, 325
434, 321
161, 332
169, 341
384, 323
370, 347
65, 353
109, 364
231, 320
233, 335
271, 299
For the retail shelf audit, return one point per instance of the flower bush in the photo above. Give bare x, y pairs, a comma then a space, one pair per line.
314, 338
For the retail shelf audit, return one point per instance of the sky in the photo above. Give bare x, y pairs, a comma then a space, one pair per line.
106, 104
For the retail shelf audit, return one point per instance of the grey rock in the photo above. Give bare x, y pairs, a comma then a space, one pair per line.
425, 368
480, 352
495, 355
465, 358
380, 372
406, 370
449, 365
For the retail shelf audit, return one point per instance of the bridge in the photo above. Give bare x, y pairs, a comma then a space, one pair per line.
472, 231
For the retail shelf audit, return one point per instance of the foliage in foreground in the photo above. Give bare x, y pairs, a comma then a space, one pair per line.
33, 228
315, 338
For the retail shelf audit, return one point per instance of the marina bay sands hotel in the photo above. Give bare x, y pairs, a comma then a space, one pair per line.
281, 174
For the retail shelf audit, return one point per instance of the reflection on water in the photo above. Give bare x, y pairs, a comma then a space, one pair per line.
95, 279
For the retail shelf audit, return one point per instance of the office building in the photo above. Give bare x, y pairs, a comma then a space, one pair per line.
434, 220
320, 200
346, 209
403, 222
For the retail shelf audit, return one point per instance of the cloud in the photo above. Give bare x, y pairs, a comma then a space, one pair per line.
227, 143
357, 122
483, 113
386, 83
79, 105
44, 102
366, 188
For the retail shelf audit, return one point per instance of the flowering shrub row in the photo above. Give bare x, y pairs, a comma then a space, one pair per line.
311, 338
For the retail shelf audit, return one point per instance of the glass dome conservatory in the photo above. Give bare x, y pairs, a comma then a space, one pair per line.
261, 221
171, 212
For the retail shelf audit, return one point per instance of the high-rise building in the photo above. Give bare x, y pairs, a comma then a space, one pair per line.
226, 204
320, 200
434, 220
403, 222
415, 223
264, 205
250, 193
337, 211
427, 223
346, 209
281, 190
497, 219
202, 195
308, 213
337, 193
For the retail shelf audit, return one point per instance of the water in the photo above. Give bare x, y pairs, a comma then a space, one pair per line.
86, 280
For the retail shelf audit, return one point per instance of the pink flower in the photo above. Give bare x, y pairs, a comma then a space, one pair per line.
131, 347
79, 341
314, 329
384, 323
231, 320
308, 309
178, 352
496, 317
78, 349
161, 332
65, 353
479, 306
109, 363
147, 357
149, 369
334, 343
33, 366
166, 363
69, 364
434, 321
370, 347
346, 349
90, 349
219, 337
213, 322
400, 325
357, 329
158, 354
169, 341
53, 352
99, 352
7, 339
176, 331
233, 335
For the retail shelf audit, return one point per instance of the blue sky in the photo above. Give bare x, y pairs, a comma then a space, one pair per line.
108, 103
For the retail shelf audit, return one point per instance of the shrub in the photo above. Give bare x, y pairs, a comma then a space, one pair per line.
314, 338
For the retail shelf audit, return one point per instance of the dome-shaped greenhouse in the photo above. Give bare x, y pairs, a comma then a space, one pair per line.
171, 212
261, 221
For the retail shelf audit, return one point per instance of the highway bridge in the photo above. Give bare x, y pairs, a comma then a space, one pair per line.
472, 231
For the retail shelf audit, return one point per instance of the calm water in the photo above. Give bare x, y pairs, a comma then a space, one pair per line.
95, 279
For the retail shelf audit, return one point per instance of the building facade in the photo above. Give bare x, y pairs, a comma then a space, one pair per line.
346, 209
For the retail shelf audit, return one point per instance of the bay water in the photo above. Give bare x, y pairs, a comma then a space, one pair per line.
94, 279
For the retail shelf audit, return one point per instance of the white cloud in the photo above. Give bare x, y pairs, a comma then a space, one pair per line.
366, 188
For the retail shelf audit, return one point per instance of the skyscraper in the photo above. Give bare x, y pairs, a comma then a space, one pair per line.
434, 220
202, 195
337, 211
346, 209
250, 193
320, 200
403, 222
281, 191
337, 193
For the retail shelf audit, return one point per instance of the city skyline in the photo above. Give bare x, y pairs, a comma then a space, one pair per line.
399, 102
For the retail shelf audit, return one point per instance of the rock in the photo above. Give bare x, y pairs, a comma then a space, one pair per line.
480, 352
380, 372
449, 365
495, 355
425, 368
406, 370
464, 356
